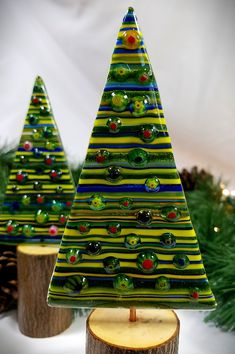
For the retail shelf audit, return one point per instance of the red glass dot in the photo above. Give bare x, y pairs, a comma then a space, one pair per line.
19, 178
53, 174
171, 215
147, 134
73, 259
113, 229
131, 39
35, 100
10, 228
62, 219
40, 200
147, 264
48, 161
113, 126
143, 77
195, 295
82, 228
27, 146
126, 203
68, 204
100, 158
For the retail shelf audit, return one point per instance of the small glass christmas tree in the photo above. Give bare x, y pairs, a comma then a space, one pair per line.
40, 190
129, 240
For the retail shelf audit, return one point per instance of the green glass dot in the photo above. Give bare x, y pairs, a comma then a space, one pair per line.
152, 184
162, 283
148, 133
75, 284
138, 157
50, 145
111, 265
138, 106
44, 111
119, 101
114, 125
26, 200
28, 230
56, 206
121, 72
47, 132
123, 283
132, 241
168, 240
33, 120
41, 217
181, 261
170, 213
97, 202
36, 134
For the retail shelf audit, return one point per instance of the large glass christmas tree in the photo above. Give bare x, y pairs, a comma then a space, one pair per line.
40, 190
129, 240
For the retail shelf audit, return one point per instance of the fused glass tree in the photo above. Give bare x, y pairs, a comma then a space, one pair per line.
129, 240
40, 190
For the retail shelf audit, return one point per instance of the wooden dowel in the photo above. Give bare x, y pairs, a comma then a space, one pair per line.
133, 317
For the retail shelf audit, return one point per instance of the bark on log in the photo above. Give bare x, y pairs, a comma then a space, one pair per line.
109, 331
35, 318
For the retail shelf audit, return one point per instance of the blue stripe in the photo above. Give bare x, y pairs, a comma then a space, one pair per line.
42, 149
128, 167
127, 51
126, 146
148, 107
38, 125
83, 188
119, 41
159, 134
131, 87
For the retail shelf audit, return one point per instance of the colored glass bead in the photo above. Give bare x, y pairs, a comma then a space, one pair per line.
36, 100
83, 228
53, 230
75, 284
138, 106
152, 184
147, 262
114, 229
148, 133
123, 283
56, 206
15, 206
23, 159
111, 265
131, 39
144, 217
181, 261
97, 202
41, 217
21, 177
102, 156
114, 125
15, 189
40, 199
47, 132
68, 203
121, 72
49, 160
26, 200
28, 230
63, 219
113, 173
12, 228
55, 175
50, 145
37, 153
27, 145
37, 185
138, 157
132, 241
36, 134
59, 190
93, 248
195, 294
119, 101
33, 120
73, 256
44, 111
170, 213
126, 203
168, 240
162, 283
144, 76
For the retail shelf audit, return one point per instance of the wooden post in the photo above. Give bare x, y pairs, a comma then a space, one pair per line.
35, 318
109, 331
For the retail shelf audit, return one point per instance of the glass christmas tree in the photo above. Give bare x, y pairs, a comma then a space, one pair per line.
40, 190
129, 240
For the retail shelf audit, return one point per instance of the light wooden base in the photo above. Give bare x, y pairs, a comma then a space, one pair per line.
109, 331
35, 318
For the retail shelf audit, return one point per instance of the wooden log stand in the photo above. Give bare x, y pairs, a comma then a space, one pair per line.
35, 318
114, 331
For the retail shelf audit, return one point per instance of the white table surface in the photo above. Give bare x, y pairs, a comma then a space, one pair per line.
196, 337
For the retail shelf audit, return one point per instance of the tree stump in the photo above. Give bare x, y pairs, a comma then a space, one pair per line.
35, 318
109, 331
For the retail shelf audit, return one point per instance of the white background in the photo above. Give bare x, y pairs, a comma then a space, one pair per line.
69, 43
